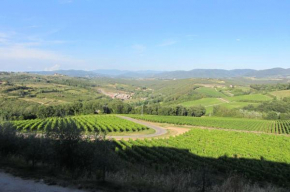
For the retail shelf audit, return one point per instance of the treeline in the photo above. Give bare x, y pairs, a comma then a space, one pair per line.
275, 109
179, 110
271, 110
221, 111
14, 109
269, 87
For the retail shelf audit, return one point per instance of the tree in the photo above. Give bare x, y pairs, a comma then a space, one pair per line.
196, 111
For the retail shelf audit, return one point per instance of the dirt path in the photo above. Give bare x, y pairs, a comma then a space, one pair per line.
224, 100
172, 130
159, 131
10, 183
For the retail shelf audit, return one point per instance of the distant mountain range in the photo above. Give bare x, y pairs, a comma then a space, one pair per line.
195, 73
126, 73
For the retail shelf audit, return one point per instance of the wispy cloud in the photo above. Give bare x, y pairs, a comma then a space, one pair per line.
22, 52
191, 37
16, 39
139, 48
3, 38
167, 43
18, 50
52, 68
65, 1
238, 39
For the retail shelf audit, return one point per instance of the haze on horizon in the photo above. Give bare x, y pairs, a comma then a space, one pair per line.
132, 35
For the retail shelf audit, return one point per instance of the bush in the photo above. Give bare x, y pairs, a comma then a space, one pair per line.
63, 149
9, 143
272, 116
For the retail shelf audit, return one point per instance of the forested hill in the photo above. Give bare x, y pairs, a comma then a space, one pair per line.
195, 73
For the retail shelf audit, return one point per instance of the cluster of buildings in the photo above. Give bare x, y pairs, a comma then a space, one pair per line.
122, 96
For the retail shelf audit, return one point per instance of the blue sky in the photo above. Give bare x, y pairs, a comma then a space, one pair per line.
144, 34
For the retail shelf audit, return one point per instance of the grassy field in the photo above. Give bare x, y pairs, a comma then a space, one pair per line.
209, 103
210, 92
231, 105
205, 102
229, 102
281, 94
250, 98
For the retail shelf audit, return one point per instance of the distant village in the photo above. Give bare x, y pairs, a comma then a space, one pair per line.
122, 96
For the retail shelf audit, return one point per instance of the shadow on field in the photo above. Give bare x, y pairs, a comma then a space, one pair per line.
65, 153
165, 158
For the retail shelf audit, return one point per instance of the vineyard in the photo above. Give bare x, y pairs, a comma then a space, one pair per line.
87, 123
258, 156
277, 127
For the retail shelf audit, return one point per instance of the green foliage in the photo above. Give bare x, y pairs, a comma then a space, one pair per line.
63, 149
8, 143
272, 116
276, 109
177, 110
269, 87
196, 111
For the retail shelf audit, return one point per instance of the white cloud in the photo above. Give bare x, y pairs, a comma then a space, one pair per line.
167, 43
52, 68
238, 39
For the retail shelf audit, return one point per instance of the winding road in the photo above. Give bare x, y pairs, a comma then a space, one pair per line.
158, 130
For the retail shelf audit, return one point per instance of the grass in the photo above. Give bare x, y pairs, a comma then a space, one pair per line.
205, 102
250, 98
234, 105
44, 101
210, 92
209, 103
281, 94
